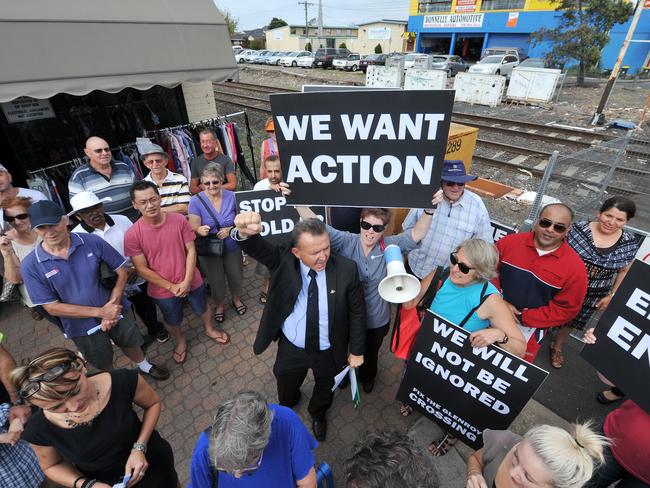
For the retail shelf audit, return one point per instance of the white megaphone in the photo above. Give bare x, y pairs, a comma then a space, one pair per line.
398, 286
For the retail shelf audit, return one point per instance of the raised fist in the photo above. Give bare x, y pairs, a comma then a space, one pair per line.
248, 223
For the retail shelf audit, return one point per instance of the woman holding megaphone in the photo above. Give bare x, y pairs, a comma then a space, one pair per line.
366, 249
468, 299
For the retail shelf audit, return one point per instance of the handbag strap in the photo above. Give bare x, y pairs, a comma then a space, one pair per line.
481, 300
207, 207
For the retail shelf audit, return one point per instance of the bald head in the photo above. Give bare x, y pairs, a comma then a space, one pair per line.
98, 151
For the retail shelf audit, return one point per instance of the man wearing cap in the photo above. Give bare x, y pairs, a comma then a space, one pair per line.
173, 188
62, 274
7, 190
461, 215
210, 146
93, 220
104, 177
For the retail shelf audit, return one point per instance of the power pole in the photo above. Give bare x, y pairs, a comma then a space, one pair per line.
320, 18
599, 118
306, 4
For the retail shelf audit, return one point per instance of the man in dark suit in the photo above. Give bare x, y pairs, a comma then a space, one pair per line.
315, 310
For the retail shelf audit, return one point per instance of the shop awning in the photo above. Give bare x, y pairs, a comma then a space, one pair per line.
77, 46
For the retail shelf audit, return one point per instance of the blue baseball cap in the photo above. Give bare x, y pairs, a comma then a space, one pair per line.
454, 170
45, 212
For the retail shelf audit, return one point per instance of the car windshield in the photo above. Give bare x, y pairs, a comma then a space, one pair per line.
491, 60
295, 53
439, 59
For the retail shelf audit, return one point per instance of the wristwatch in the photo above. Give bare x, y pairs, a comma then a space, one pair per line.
428, 213
504, 340
235, 236
139, 446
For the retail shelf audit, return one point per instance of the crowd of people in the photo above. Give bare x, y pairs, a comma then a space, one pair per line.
149, 247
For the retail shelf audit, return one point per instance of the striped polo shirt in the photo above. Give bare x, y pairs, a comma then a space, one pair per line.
86, 178
173, 190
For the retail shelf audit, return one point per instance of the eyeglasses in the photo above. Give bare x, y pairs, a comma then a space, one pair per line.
101, 150
249, 469
559, 228
452, 183
461, 266
10, 218
367, 226
50, 375
212, 183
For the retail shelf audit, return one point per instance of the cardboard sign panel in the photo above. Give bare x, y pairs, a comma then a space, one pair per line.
278, 218
622, 349
500, 230
463, 389
362, 148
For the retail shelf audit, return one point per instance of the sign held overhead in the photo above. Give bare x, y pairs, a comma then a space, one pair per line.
362, 148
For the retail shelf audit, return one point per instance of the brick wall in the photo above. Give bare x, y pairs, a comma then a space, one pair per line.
199, 100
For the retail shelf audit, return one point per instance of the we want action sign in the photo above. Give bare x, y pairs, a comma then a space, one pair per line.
362, 148
464, 389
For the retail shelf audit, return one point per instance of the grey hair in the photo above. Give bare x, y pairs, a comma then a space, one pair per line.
388, 459
570, 457
312, 226
240, 432
483, 257
213, 169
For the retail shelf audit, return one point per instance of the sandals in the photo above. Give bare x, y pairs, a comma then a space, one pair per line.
241, 309
405, 410
441, 446
219, 317
614, 391
263, 297
180, 357
557, 358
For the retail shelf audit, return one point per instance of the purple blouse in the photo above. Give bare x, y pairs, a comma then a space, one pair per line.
225, 218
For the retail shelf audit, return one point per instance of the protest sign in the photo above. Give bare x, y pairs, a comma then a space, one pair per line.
463, 389
278, 218
622, 349
500, 230
370, 148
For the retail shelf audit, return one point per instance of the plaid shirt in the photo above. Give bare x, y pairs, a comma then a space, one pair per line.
18, 464
451, 224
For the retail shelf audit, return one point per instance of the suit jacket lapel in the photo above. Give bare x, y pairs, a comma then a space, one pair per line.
330, 277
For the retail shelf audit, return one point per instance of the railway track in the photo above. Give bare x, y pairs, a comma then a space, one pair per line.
566, 140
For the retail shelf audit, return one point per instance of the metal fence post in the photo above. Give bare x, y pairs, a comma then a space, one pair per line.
528, 223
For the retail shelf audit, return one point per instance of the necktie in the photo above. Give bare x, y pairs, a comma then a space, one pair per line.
312, 341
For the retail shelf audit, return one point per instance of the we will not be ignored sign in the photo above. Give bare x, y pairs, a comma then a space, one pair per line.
362, 148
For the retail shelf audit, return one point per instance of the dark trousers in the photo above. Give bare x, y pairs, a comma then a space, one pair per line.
290, 369
374, 338
146, 310
611, 471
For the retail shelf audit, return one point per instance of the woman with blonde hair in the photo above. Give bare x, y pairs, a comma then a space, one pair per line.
544, 456
86, 432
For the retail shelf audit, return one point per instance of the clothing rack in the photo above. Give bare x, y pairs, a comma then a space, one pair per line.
76, 161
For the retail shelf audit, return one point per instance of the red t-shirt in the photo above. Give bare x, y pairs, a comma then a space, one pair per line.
629, 429
163, 246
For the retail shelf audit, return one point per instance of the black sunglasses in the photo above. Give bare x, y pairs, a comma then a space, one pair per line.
101, 150
10, 218
212, 183
559, 228
367, 226
461, 266
452, 183
50, 375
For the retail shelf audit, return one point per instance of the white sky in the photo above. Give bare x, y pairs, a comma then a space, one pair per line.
258, 13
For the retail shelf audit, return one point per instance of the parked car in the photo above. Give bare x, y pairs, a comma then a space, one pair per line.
239, 57
495, 65
274, 58
450, 63
248, 58
260, 57
291, 59
351, 63
409, 59
306, 61
514, 51
236, 49
324, 57
535, 63
372, 60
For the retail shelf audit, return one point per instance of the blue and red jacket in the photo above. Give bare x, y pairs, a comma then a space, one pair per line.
548, 290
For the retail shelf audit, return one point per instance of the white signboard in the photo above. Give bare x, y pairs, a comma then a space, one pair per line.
479, 89
384, 76
644, 251
23, 109
452, 21
536, 85
378, 33
417, 79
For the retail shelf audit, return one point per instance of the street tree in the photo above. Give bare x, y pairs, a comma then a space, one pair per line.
231, 21
582, 31
276, 22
